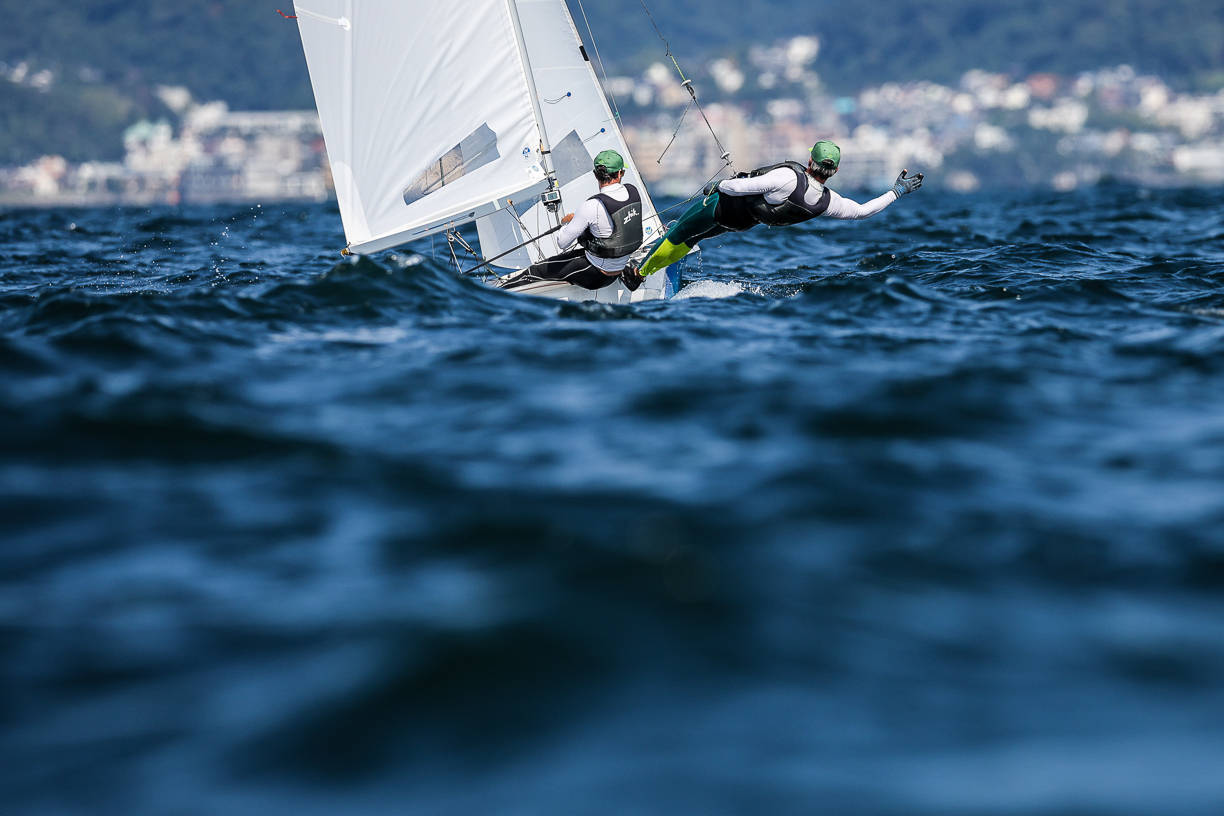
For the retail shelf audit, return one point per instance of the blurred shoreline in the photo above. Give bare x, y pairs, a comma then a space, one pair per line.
989, 130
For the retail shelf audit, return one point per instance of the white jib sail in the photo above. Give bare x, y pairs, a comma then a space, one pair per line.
426, 112
578, 124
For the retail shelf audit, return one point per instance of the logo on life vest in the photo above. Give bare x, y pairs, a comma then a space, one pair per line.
632, 215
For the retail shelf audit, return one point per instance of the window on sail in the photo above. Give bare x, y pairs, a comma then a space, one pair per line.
570, 158
476, 150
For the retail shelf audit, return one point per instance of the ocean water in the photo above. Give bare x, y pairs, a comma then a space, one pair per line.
921, 515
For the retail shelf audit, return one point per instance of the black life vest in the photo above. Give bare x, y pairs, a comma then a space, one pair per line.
626, 235
741, 212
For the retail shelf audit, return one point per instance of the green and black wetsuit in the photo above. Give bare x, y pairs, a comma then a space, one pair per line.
777, 195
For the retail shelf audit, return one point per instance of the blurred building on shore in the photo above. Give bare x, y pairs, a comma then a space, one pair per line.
766, 106
213, 155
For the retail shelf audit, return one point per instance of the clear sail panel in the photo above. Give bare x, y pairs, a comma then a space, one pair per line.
471, 154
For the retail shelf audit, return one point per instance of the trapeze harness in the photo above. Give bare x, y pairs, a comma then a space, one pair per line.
626, 217
742, 212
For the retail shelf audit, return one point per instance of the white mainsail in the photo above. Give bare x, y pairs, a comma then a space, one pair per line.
437, 114
426, 113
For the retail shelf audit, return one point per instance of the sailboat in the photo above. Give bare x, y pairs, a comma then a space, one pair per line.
440, 114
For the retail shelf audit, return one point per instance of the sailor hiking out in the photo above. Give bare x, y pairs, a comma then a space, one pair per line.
606, 230
778, 195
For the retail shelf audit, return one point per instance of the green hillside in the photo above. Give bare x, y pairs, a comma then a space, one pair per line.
107, 54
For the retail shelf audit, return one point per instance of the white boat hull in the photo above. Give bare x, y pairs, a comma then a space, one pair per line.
660, 286
615, 294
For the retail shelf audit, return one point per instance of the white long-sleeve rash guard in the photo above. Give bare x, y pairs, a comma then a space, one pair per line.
592, 215
777, 185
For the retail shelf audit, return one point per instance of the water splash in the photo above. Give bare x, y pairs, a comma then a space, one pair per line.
712, 290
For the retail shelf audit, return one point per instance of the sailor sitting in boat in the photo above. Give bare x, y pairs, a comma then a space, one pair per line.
778, 196
607, 230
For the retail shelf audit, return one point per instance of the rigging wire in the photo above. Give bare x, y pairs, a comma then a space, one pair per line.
687, 84
675, 133
513, 249
656, 27
451, 246
456, 237
599, 59
523, 227
453, 237
699, 194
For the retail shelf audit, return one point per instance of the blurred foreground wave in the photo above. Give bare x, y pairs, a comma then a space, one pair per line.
918, 515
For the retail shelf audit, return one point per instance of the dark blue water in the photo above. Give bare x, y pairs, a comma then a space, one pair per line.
922, 515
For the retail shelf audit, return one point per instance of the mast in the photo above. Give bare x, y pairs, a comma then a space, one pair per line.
346, 23
552, 197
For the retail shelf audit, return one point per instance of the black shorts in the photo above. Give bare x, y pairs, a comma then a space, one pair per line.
572, 267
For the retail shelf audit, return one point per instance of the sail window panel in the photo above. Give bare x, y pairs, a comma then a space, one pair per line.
571, 160
475, 151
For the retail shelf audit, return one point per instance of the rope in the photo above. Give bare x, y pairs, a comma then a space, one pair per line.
675, 133
687, 84
286, 16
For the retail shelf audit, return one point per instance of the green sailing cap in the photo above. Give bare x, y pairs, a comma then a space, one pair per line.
611, 160
826, 153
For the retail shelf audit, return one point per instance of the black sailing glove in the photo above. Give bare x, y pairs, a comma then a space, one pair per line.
906, 184
710, 189
630, 277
